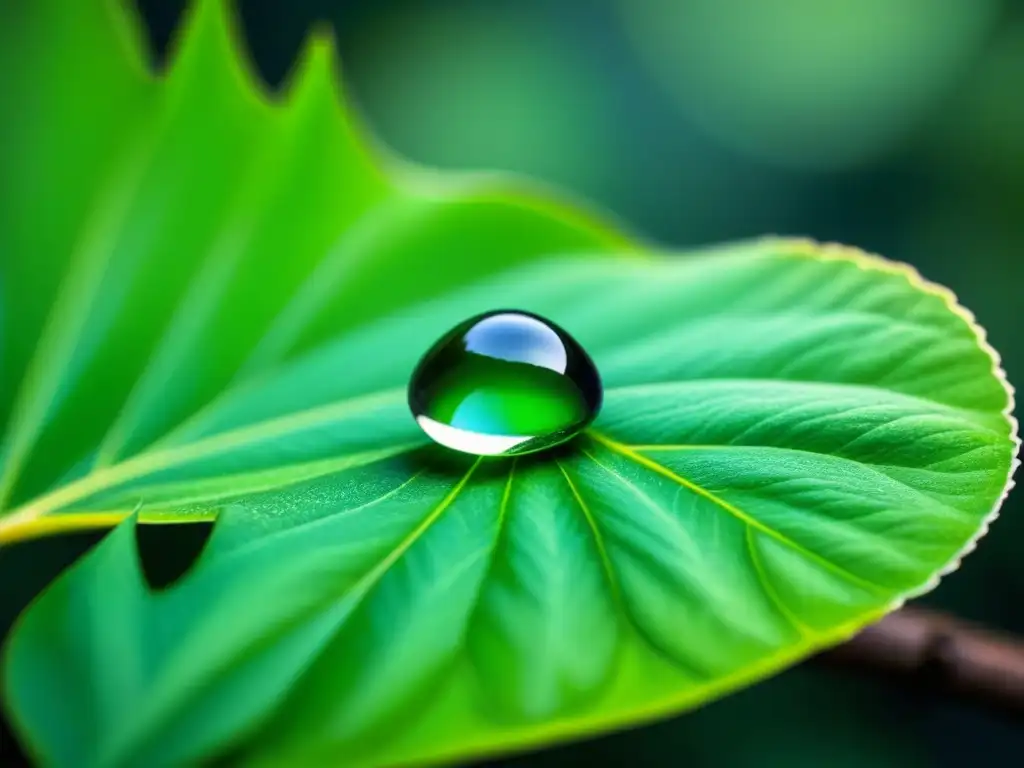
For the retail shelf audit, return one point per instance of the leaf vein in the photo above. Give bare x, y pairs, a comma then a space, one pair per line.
773, 596
618, 597
878, 469
753, 522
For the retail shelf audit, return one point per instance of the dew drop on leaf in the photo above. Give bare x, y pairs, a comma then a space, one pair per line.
505, 383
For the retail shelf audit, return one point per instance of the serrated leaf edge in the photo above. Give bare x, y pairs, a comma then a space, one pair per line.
871, 262
569, 729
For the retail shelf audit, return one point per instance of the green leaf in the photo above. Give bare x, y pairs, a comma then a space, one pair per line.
795, 437
211, 208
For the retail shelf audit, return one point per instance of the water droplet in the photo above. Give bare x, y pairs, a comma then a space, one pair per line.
505, 383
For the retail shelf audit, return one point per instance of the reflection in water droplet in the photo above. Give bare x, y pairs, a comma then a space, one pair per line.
504, 383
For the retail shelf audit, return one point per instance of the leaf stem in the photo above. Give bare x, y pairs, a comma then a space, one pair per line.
16, 529
937, 652
157, 459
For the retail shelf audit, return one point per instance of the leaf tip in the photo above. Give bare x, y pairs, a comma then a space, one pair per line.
209, 43
316, 67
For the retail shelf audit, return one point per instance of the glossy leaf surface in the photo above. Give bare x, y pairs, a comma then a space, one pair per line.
221, 322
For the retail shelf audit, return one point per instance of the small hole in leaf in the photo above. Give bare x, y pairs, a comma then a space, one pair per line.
168, 551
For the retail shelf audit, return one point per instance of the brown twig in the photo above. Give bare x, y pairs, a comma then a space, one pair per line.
934, 650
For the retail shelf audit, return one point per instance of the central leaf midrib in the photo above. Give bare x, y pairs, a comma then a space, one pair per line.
249, 482
166, 458
161, 457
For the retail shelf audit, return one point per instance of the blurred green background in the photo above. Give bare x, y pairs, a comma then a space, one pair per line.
894, 125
